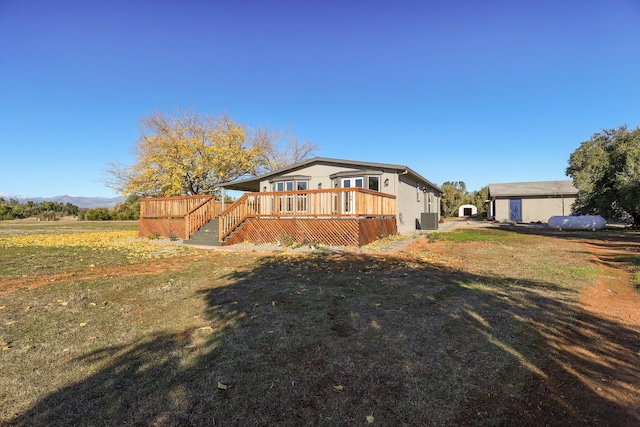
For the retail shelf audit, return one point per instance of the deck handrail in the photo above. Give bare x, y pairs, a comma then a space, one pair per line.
170, 207
195, 210
336, 202
201, 214
233, 216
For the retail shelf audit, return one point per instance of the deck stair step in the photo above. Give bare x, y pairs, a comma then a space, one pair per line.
207, 235
235, 230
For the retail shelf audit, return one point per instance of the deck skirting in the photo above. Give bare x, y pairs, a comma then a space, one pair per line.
351, 232
165, 227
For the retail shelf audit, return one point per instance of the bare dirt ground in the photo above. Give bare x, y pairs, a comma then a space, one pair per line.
33, 282
614, 298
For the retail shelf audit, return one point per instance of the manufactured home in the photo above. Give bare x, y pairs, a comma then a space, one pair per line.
323, 200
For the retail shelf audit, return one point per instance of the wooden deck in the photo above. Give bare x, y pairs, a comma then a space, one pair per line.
176, 216
342, 216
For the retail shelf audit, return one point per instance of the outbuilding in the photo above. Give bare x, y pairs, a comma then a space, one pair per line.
467, 210
530, 201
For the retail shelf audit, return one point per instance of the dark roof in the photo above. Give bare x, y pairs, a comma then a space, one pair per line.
253, 184
538, 188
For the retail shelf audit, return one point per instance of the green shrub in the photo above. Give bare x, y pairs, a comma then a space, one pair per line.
98, 214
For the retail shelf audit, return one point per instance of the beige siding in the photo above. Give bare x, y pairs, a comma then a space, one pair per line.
501, 210
411, 203
535, 209
319, 174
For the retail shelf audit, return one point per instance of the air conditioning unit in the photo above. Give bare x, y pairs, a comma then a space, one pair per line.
429, 220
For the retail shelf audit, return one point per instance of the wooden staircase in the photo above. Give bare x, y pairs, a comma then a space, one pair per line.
207, 235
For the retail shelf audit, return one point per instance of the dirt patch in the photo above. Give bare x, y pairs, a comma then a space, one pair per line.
614, 297
143, 268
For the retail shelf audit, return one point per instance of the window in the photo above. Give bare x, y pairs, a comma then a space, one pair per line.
292, 203
286, 201
292, 184
349, 197
352, 182
284, 186
301, 199
374, 183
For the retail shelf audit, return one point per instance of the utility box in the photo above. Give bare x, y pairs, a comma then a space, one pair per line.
429, 221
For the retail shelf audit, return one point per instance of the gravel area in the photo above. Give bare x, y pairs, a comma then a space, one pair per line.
388, 244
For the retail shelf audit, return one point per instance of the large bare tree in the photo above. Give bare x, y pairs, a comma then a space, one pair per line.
280, 148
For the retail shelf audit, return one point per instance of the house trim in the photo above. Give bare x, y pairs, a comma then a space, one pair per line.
290, 178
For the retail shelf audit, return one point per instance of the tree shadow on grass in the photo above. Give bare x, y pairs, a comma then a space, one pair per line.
617, 248
615, 239
332, 339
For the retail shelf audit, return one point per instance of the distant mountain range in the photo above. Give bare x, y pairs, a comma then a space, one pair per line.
81, 202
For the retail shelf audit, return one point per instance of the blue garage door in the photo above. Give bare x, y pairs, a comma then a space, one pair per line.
515, 210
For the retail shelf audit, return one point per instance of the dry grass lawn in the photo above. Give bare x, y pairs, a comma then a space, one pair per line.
472, 327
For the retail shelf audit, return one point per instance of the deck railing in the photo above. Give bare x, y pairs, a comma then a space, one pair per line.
338, 202
195, 210
198, 210
201, 214
170, 207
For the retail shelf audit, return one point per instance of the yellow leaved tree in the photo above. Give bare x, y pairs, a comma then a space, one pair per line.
186, 154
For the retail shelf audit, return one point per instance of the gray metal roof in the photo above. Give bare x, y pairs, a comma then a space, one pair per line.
253, 184
538, 188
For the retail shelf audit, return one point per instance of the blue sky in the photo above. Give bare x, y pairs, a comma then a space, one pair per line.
473, 91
